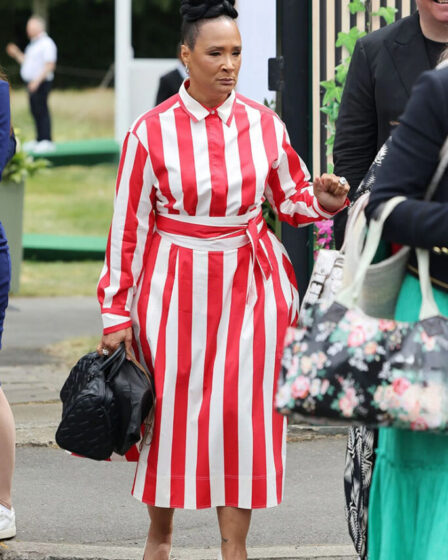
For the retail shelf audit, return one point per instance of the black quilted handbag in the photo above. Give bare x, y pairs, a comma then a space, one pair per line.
105, 402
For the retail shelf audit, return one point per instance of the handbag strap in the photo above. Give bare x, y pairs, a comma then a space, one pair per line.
350, 294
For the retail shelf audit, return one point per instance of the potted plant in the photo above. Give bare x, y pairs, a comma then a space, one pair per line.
12, 192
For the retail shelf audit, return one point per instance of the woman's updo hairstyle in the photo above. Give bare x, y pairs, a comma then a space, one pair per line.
194, 12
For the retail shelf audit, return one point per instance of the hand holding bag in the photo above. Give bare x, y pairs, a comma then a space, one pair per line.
347, 365
105, 402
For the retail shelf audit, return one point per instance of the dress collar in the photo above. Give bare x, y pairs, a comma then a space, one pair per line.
199, 112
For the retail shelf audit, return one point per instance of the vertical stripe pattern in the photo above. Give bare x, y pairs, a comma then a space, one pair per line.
209, 323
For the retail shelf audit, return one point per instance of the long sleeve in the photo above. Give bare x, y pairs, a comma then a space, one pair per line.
5, 125
289, 188
410, 164
356, 139
130, 234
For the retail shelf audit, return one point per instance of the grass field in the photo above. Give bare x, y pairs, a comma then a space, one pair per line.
76, 114
71, 200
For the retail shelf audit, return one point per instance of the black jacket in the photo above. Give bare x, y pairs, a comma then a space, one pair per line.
384, 67
169, 85
407, 170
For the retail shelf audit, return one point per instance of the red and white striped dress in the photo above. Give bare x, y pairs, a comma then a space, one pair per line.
209, 292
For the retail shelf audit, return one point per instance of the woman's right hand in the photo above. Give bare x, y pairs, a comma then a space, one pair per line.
112, 341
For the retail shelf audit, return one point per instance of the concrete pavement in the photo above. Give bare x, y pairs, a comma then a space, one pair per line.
73, 508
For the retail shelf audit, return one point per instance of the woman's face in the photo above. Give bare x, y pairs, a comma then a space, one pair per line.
214, 62
436, 9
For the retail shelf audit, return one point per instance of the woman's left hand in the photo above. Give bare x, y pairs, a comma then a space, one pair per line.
331, 191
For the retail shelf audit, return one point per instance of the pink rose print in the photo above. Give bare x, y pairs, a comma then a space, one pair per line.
429, 341
289, 337
386, 325
300, 388
419, 425
348, 402
401, 385
324, 387
357, 337
371, 348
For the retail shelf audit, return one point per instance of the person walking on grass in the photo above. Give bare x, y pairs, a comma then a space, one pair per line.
37, 66
196, 285
7, 427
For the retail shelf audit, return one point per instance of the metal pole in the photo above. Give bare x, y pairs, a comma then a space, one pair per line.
123, 57
295, 44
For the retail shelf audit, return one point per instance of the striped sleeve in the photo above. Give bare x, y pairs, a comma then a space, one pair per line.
289, 188
130, 234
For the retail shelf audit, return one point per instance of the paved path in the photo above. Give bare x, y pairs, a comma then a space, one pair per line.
72, 508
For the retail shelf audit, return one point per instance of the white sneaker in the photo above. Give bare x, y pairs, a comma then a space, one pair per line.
44, 146
7, 523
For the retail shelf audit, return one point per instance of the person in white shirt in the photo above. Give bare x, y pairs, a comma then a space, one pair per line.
38, 64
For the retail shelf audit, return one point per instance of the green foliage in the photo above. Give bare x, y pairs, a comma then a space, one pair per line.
357, 6
22, 166
334, 87
387, 13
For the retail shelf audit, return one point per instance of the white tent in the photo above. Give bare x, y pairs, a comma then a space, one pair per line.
136, 80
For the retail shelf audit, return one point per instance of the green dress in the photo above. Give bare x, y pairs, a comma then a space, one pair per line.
408, 507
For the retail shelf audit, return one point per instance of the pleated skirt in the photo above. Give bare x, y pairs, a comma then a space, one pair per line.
211, 328
408, 508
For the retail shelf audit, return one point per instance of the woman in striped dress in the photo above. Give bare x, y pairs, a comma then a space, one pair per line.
200, 288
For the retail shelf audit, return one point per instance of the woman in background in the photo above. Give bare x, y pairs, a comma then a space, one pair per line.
408, 508
7, 428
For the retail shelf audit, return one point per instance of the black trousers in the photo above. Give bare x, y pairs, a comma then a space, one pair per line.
40, 112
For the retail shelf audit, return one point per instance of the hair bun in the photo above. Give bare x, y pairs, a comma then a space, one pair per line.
194, 10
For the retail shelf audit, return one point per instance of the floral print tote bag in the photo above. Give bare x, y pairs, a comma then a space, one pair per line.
344, 364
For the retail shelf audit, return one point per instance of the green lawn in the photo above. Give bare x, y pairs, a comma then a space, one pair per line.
72, 200
76, 114
50, 279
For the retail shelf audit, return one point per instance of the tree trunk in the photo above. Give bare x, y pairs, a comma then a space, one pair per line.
40, 8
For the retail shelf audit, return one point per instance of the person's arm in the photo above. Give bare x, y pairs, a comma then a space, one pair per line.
15, 53
410, 164
5, 124
355, 144
130, 234
356, 130
48, 69
292, 194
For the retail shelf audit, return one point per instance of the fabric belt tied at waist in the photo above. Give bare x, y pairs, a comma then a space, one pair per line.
218, 234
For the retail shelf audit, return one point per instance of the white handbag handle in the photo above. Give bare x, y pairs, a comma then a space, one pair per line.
350, 294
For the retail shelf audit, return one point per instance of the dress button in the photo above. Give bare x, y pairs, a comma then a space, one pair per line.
212, 112
445, 250
437, 250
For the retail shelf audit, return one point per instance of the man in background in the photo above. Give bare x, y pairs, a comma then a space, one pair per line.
384, 67
170, 83
37, 66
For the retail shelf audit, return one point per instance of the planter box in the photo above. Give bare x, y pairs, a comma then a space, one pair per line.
11, 216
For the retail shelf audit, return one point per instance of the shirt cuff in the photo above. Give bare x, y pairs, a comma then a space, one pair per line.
113, 322
325, 213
